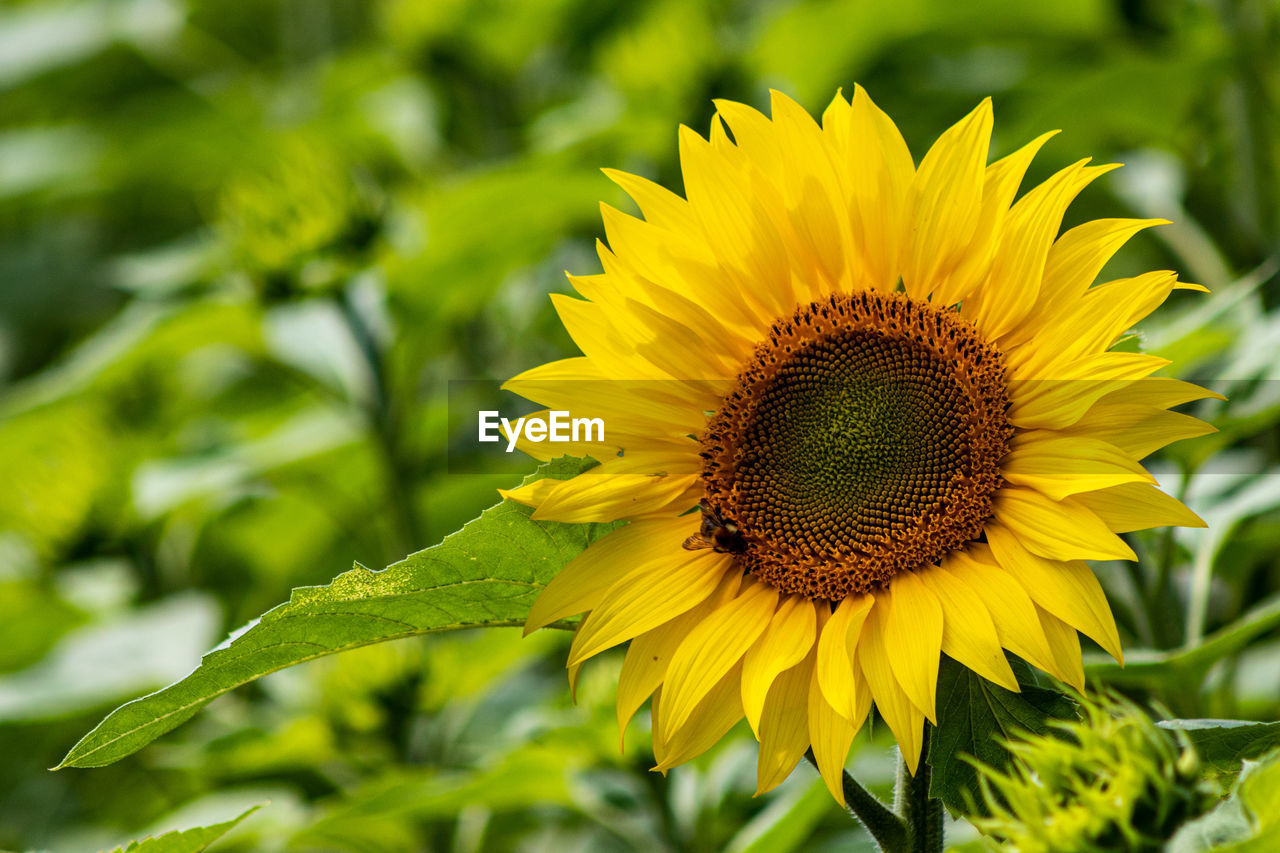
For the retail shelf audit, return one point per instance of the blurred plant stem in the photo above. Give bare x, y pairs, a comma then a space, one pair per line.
383, 417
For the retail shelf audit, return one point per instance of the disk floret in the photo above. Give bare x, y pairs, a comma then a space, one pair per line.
863, 439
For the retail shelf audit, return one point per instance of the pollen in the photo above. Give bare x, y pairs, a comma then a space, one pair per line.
862, 440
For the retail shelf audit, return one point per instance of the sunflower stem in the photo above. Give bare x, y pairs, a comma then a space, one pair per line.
888, 830
921, 813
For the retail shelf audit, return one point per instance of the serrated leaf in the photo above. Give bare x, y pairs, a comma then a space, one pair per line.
185, 840
974, 718
486, 574
1223, 744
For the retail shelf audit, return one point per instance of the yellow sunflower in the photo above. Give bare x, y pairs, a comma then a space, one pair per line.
859, 414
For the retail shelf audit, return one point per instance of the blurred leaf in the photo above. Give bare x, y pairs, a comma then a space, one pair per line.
185, 840
974, 716
1223, 744
786, 824
99, 663
1246, 822
487, 574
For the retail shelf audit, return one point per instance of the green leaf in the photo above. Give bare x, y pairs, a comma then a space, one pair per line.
1223, 744
1246, 822
974, 716
485, 575
185, 840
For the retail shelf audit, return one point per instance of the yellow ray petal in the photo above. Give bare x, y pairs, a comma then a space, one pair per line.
1019, 262
905, 720
1080, 254
1139, 431
784, 726
1064, 642
913, 637
1068, 590
1000, 184
944, 202
713, 647
660, 206
968, 634
647, 596
1058, 465
599, 495
649, 654
710, 720
1137, 506
581, 584
1057, 400
1011, 608
788, 639
834, 668
1161, 392
534, 493
831, 734
1059, 530
880, 175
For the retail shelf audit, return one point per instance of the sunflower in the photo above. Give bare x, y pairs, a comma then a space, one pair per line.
860, 414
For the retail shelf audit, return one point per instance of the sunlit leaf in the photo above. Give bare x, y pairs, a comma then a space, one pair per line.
486, 574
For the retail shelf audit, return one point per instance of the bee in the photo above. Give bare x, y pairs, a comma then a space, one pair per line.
722, 536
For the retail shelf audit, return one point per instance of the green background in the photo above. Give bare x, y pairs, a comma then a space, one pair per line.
245, 246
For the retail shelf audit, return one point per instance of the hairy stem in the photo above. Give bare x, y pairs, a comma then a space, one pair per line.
888, 830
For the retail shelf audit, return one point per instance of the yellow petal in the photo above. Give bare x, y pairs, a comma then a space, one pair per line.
788, 639
1000, 184
581, 584
831, 734
1139, 430
1058, 465
913, 637
880, 175
603, 496
1019, 262
1055, 401
905, 720
1011, 608
968, 634
649, 654
1080, 254
1137, 506
1064, 642
649, 595
834, 668
714, 647
944, 202
1068, 590
784, 726
710, 720
1059, 530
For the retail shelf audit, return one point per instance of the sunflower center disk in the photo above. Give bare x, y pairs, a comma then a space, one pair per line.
863, 439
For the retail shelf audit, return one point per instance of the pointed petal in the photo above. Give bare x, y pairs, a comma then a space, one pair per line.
944, 202
834, 668
904, 719
718, 711
1137, 506
913, 637
1068, 590
968, 634
1059, 530
784, 726
1064, 642
788, 640
712, 648
831, 734
1058, 466
649, 595
580, 586
649, 654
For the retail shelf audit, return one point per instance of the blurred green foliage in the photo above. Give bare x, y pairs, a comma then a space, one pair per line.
245, 246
